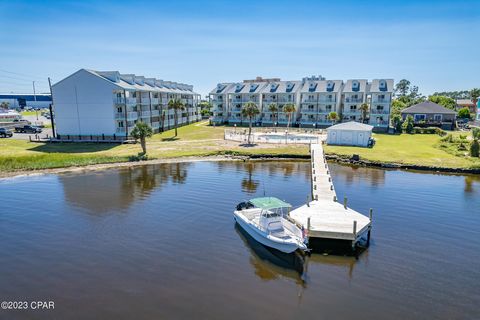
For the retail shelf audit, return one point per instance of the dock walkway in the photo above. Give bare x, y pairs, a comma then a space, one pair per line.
324, 216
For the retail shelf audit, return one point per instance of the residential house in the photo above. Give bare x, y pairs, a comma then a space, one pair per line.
428, 113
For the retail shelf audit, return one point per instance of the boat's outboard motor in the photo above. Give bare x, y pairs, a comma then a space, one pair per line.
244, 205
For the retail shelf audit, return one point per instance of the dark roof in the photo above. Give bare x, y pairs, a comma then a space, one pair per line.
428, 107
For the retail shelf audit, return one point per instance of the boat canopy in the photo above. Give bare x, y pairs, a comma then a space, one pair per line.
267, 203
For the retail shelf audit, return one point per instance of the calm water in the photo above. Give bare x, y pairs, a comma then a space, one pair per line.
159, 242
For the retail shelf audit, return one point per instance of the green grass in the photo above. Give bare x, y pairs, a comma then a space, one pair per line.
199, 139
29, 113
418, 149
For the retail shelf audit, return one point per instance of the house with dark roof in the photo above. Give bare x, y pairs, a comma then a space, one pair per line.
428, 113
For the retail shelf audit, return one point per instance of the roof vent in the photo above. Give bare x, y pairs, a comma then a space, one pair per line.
330, 85
311, 86
150, 81
110, 75
139, 80
128, 78
382, 85
238, 87
273, 87
355, 85
220, 87
290, 86
253, 87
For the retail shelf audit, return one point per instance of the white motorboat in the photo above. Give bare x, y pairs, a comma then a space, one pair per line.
264, 219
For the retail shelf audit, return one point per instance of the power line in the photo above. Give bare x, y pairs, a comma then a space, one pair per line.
21, 74
16, 78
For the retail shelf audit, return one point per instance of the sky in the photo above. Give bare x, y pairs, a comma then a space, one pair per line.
434, 44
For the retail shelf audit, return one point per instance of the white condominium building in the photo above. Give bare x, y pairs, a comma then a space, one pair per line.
314, 99
279, 94
381, 92
319, 98
106, 103
354, 95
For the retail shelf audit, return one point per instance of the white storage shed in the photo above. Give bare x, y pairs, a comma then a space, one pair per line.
349, 134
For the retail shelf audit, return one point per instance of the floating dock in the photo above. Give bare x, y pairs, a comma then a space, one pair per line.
324, 217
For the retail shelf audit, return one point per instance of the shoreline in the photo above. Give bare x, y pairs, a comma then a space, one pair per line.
344, 160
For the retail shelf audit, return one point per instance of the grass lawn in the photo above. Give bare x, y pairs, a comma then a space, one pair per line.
29, 113
199, 139
418, 149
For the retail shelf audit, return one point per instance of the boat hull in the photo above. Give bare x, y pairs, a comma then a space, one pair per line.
261, 237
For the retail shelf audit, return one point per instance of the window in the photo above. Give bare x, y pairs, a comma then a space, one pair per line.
329, 107
120, 124
419, 117
438, 117
119, 110
353, 108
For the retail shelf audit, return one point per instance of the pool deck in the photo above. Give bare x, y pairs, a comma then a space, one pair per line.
324, 217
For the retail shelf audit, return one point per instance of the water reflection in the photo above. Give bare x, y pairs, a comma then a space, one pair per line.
250, 185
271, 264
114, 190
470, 182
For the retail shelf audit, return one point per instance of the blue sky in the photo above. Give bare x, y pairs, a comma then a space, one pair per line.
435, 44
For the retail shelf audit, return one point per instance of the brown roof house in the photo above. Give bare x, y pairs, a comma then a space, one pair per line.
462, 103
429, 114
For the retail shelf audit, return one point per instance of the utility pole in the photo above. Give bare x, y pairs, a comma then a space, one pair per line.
35, 98
51, 109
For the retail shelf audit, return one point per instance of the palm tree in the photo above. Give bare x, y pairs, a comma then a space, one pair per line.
364, 109
250, 110
142, 131
333, 116
4, 105
289, 108
176, 104
274, 110
474, 94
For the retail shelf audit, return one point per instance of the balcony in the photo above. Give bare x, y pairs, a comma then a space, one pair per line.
155, 100
123, 130
308, 111
155, 124
353, 100
131, 101
308, 100
145, 114
130, 116
381, 100
155, 113
327, 100
376, 111
144, 101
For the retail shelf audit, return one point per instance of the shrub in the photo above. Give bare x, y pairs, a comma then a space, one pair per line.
476, 133
461, 147
448, 138
429, 130
464, 113
408, 124
474, 148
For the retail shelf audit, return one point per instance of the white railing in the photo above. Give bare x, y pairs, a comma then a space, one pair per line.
155, 113
145, 113
130, 115
293, 136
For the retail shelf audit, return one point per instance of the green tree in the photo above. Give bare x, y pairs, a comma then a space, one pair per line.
402, 88
474, 94
464, 113
397, 123
274, 110
364, 110
289, 108
333, 116
476, 133
4, 105
447, 102
474, 148
141, 131
408, 124
397, 107
177, 105
250, 111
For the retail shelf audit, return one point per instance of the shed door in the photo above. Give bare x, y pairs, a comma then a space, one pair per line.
347, 137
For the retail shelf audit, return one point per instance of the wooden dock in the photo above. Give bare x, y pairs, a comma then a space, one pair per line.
324, 217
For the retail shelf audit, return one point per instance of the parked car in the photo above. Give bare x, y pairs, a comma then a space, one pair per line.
5, 133
28, 129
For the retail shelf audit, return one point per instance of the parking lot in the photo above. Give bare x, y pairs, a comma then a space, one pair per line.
46, 132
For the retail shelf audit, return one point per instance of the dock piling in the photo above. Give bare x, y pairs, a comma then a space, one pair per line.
370, 214
345, 202
355, 229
